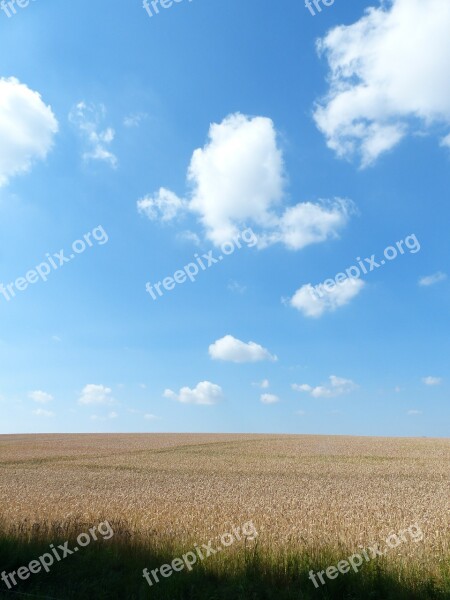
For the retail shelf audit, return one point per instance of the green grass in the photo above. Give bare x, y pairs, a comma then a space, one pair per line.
112, 570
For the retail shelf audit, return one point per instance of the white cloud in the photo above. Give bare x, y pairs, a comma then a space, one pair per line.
235, 286
205, 392
189, 236
313, 302
264, 384
237, 176
41, 412
337, 387
147, 416
109, 416
309, 223
40, 396
445, 142
88, 119
382, 81
414, 412
164, 205
134, 119
231, 349
432, 279
27, 128
96, 394
432, 380
303, 387
269, 399
237, 179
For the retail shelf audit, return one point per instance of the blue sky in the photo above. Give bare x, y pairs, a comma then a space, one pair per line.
166, 137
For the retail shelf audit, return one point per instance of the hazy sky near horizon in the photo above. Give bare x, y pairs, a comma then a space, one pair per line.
147, 147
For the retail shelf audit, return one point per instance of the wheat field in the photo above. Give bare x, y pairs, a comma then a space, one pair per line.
310, 498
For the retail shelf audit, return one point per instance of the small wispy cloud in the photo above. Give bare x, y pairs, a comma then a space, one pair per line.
264, 384
236, 287
151, 417
432, 279
432, 380
269, 399
163, 205
96, 394
108, 417
337, 387
40, 396
88, 119
189, 236
41, 412
134, 119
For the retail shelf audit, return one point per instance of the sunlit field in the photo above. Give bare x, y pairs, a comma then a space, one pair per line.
291, 504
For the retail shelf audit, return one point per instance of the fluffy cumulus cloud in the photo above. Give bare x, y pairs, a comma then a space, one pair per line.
309, 223
27, 128
237, 177
269, 399
40, 396
96, 394
231, 349
388, 76
336, 387
205, 392
88, 120
237, 180
432, 279
314, 302
432, 380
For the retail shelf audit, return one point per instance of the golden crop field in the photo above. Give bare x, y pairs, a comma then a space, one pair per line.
310, 499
